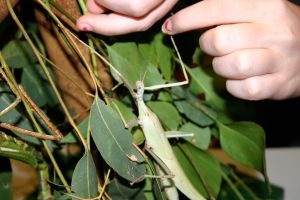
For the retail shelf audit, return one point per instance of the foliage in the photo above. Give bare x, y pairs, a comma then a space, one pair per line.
111, 155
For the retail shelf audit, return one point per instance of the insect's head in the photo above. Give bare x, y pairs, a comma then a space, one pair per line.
139, 88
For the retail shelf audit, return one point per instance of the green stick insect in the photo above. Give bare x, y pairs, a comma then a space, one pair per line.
156, 139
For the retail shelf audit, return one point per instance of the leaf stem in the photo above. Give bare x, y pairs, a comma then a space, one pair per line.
232, 186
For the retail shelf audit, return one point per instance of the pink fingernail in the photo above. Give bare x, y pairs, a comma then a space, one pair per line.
167, 26
85, 27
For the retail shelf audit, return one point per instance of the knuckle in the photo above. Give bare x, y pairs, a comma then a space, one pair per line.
242, 64
144, 26
280, 7
218, 39
253, 90
137, 8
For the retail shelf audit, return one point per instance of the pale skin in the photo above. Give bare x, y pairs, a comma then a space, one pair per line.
255, 44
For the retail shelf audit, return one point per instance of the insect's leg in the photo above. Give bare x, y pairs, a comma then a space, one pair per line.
186, 81
178, 134
167, 184
168, 172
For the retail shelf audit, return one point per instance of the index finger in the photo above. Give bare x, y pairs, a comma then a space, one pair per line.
209, 13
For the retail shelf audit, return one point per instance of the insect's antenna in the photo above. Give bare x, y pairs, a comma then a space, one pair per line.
126, 82
144, 74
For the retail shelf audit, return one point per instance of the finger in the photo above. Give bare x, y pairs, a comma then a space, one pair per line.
226, 39
134, 8
117, 24
256, 88
245, 64
108, 24
93, 7
209, 13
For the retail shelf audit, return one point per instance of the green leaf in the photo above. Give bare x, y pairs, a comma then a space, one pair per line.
126, 111
117, 191
203, 82
164, 96
164, 56
167, 114
193, 113
114, 142
6, 189
36, 85
18, 54
83, 128
244, 142
202, 135
198, 165
138, 136
13, 148
33, 85
128, 60
84, 179
148, 52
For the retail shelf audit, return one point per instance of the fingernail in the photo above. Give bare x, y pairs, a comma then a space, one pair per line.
167, 26
85, 27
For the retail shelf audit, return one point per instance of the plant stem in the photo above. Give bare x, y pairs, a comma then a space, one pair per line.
205, 184
242, 183
36, 52
14, 87
41, 62
232, 186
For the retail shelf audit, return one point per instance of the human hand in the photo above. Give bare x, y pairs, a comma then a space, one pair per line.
126, 15
255, 44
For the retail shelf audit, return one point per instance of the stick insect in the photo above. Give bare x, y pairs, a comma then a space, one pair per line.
156, 139
21, 95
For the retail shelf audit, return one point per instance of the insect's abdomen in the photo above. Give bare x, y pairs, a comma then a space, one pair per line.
159, 144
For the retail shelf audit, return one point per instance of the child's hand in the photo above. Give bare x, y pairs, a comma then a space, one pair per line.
124, 16
255, 44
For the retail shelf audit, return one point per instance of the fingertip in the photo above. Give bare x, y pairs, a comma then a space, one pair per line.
167, 27
83, 24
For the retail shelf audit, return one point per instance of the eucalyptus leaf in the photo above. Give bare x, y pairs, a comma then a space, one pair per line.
138, 136
193, 113
128, 60
167, 114
200, 166
71, 137
18, 54
203, 82
114, 142
36, 85
164, 96
84, 179
201, 137
158, 54
148, 190
6, 187
148, 52
117, 191
127, 112
244, 142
